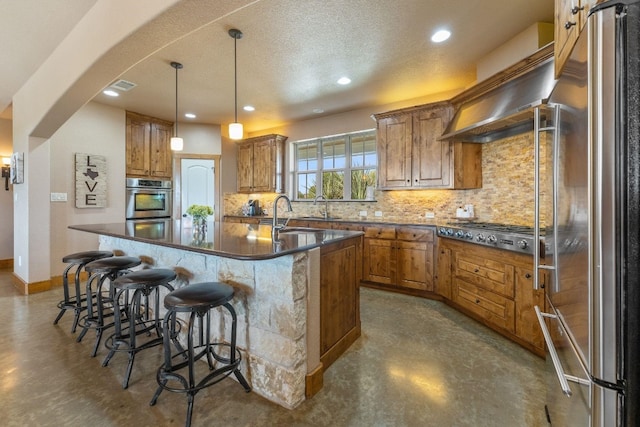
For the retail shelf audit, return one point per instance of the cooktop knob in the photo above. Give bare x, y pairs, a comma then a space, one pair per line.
460, 233
450, 232
443, 230
522, 244
469, 235
492, 239
480, 237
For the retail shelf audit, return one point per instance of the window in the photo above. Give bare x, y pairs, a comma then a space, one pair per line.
338, 167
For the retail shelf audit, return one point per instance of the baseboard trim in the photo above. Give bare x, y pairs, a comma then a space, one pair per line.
314, 382
6, 263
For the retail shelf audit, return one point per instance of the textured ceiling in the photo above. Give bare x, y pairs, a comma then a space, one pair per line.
293, 52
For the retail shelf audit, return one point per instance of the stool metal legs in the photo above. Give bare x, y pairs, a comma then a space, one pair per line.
189, 385
70, 303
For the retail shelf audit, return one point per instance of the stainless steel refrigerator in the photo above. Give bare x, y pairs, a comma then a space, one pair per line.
588, 218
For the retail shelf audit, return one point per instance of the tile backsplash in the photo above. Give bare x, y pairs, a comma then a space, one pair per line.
506, 196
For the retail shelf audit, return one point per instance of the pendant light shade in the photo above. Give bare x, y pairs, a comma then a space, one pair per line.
235, 129
176, 142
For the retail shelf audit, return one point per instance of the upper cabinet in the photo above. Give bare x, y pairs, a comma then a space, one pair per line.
148, 147
261, 164
570, 18
411, 156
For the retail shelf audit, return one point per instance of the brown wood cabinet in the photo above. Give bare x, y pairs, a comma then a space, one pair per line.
570, 18
261, 164
148, 149
493, 286
339, 297
399, 256
411, 156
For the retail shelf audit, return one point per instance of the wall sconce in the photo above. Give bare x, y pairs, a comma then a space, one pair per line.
6, 171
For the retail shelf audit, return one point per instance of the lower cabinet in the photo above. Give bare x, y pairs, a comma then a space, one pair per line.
493, 286
400, 257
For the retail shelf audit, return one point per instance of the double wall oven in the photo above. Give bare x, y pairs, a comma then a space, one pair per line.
148, 199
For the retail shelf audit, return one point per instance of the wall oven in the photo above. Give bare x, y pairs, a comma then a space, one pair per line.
148, 198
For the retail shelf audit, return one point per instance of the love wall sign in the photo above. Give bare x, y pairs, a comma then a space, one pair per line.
91, 181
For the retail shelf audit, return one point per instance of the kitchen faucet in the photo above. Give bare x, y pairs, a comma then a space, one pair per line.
326, 205
275, 227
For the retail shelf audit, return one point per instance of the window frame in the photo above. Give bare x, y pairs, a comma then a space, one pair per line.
347, 170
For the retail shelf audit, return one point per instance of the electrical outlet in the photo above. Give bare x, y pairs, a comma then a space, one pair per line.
363, 213
429, 215
378, 213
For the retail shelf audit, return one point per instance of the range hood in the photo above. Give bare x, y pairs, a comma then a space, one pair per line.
504, 111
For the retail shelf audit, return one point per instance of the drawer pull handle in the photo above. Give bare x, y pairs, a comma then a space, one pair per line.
477, 270
569, 24
528, 276
477, 301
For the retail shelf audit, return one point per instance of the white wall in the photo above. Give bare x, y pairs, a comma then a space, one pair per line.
6, 197
98, 130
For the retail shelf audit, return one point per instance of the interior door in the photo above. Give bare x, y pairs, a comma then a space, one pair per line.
197, 177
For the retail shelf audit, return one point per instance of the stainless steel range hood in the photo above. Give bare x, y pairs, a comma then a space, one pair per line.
504, 111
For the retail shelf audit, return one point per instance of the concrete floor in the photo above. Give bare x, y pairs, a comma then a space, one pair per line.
418, 363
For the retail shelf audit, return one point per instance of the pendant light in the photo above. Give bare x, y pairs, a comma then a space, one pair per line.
235, 128
176, 142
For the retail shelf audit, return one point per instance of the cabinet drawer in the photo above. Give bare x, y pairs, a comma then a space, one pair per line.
380, 232
492, 275
346, 226
494, 308
415, 234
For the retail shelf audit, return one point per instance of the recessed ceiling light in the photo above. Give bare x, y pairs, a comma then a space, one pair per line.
344, 80
249, 108
110, 92
440, 36
190, 115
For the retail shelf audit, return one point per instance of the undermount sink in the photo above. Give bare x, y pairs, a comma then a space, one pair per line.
319, 217
301, 230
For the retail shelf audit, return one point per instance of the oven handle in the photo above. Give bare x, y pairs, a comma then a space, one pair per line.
562, 377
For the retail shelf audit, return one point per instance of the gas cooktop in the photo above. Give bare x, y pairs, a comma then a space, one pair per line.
517, 238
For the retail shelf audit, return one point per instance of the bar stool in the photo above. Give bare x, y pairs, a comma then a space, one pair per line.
101, 270
197, 300
138, 318
76, 302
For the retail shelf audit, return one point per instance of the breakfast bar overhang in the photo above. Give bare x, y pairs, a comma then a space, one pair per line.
295, 316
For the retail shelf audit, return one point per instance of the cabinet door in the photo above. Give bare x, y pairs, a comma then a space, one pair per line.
245, 167
431, 158
137, 146
263, 170
394, 145
443, 279
567, 28
414, 265
160, 150
527, 298
379, 261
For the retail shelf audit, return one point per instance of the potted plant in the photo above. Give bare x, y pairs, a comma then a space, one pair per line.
199, 214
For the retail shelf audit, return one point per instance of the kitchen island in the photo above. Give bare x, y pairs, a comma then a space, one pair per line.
297, 298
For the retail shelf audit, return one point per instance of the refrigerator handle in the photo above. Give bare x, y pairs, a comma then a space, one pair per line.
564, 384
538, 129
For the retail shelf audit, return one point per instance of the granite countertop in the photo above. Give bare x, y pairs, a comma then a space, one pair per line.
368, 221
231, 240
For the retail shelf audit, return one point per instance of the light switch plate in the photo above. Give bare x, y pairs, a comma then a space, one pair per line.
363, 213
58, 197
378, 213
429, 215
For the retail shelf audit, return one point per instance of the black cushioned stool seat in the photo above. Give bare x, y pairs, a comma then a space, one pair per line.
101, 270
178, 374
77, 303
138, 320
